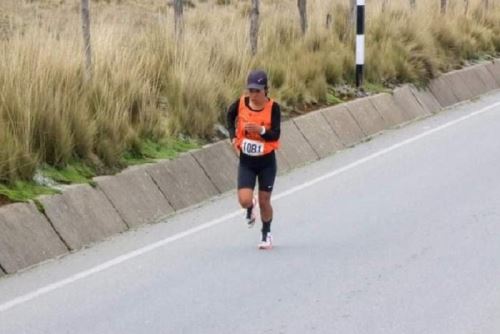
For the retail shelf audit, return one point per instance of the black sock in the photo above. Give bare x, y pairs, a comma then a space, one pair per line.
249, 212
266, 228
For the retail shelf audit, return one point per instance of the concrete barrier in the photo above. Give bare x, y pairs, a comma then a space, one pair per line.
494, 68
26, 238
283, 165
135, 196
442, 92
426, 99
458, 86
82, 215
220, 163
182, 181
319, 134
472, 80
405, 100
295, 149
366, 116
387, 108
486, 77
343, 124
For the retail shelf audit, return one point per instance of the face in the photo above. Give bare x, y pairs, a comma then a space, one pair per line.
257, 96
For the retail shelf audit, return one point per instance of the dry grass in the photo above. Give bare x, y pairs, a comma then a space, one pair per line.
147, 86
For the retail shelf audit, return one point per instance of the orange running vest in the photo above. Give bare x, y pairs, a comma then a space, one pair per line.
254, 144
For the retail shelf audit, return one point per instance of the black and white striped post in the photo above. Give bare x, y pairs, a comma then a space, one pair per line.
360, 42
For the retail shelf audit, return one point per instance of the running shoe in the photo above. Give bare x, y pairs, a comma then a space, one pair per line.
268, 244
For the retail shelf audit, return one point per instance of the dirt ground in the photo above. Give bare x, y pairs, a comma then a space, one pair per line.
4, 200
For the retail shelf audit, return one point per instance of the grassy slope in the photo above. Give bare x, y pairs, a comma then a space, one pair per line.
149, 91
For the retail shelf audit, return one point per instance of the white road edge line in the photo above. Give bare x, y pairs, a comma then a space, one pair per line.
120, 259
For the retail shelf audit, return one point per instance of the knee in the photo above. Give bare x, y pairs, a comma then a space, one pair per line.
245, 202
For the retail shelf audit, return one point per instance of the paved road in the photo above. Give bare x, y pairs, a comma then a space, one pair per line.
398, 235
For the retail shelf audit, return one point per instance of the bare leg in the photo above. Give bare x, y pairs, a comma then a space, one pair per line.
245, 196
266, 210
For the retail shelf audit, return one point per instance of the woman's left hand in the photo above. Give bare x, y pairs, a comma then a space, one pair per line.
253, 128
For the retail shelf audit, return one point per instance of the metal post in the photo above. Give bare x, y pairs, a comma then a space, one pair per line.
360, 42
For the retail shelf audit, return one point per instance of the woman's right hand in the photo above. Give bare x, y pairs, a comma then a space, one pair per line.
235, 147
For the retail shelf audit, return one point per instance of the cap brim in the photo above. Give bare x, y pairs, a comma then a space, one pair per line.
255, 86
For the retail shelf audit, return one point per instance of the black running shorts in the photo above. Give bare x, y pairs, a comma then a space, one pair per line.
263, 168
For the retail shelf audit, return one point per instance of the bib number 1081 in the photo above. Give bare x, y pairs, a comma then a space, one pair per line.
254, 148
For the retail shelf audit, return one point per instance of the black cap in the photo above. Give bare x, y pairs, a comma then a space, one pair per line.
257, 79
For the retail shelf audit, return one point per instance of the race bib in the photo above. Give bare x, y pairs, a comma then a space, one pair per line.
252, 147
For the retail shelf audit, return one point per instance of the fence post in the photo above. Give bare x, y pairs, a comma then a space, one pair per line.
444, 5
328, 21
360, 42
302, 4
179, 18
254, 26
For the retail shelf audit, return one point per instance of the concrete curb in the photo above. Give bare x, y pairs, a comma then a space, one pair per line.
295, 150
472, 80
319, 134
220, 163
26, 238
486, 77
494, 69
442, 92
387, 108
409, 104
426, 99
82, 215
182, 181
458, 87
343, 124
135, 196
367, 116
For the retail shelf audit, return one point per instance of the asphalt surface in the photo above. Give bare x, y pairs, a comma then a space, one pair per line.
400, 234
